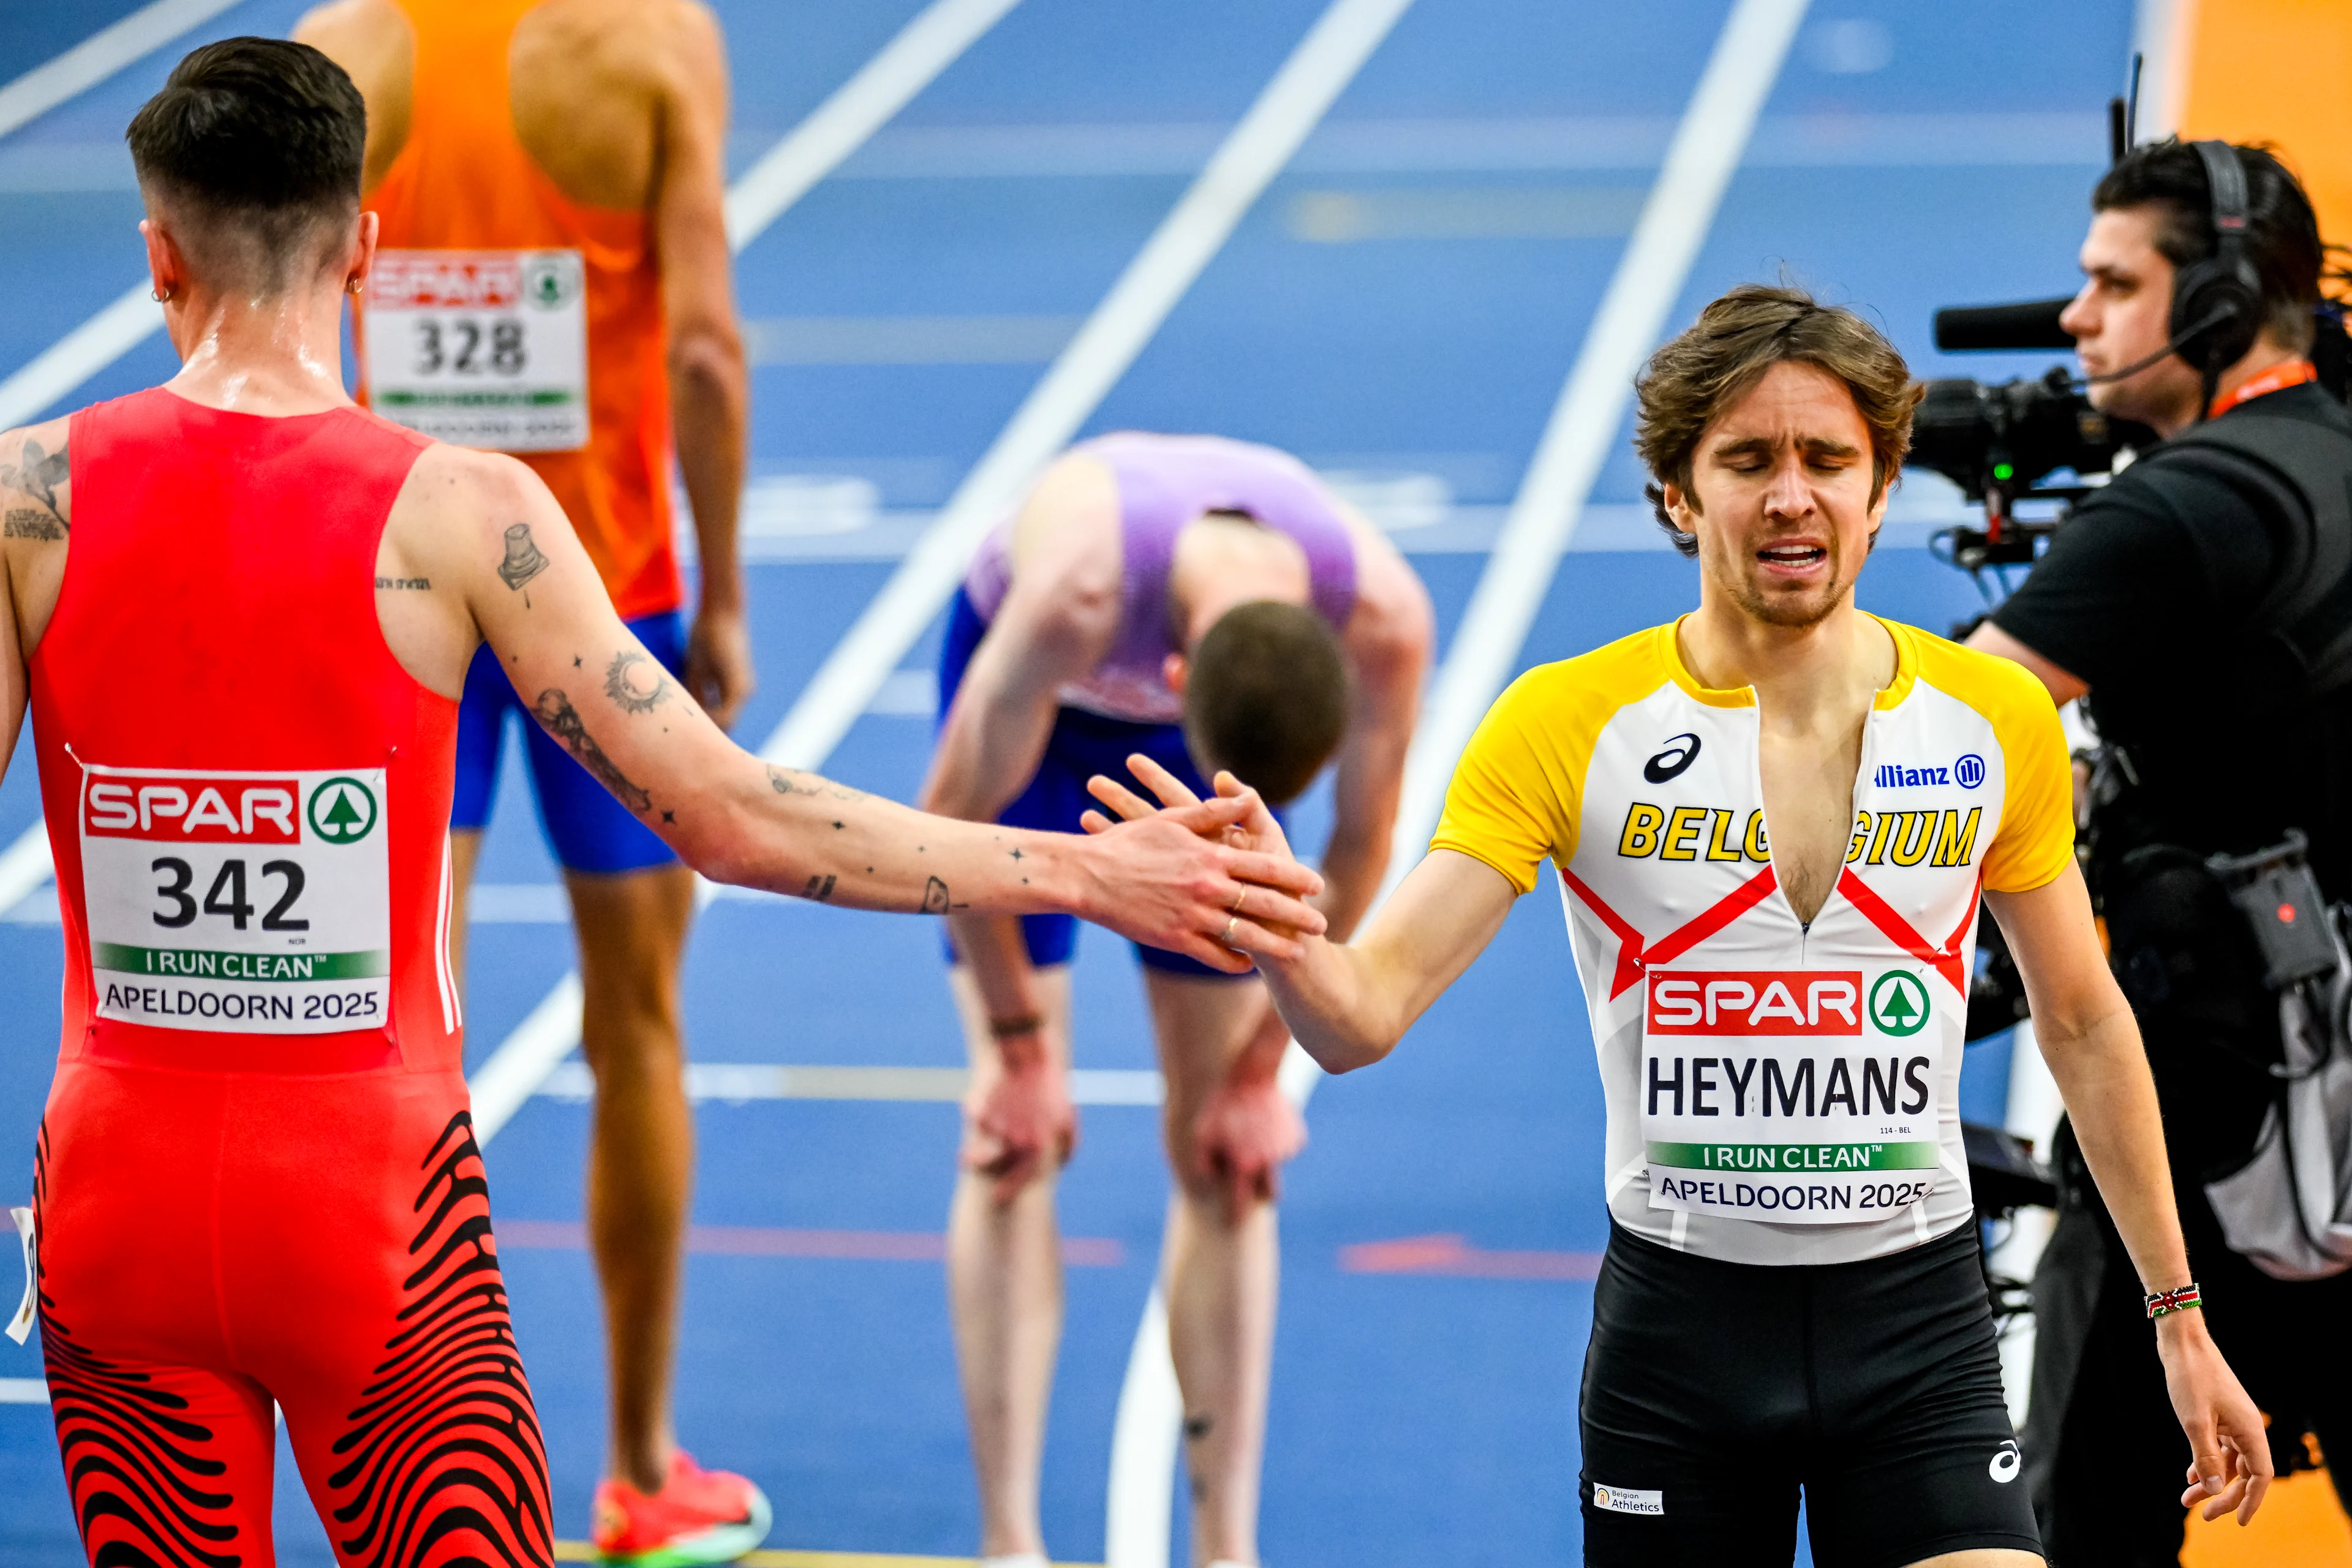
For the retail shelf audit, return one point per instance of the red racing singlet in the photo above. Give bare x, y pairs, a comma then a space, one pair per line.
257, 1182
246, 793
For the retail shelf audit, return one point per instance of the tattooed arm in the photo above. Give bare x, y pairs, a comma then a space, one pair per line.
505, 567
36, 522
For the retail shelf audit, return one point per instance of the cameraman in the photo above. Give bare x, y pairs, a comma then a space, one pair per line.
2154, 603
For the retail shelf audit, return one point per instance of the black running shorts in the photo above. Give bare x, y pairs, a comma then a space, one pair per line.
1714, 1392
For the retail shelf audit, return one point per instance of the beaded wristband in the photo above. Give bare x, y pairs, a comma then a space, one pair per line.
2163, 1301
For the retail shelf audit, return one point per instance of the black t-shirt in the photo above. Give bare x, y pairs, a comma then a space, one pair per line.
2148, 594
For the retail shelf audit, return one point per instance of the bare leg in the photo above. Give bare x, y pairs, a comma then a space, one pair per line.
1004, 1289
641, 1148
1223, 1269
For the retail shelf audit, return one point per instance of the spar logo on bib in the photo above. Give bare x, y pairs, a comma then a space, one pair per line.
1898, 1003
342, 810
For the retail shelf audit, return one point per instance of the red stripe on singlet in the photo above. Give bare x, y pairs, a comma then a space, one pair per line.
1632, 957
1947, 959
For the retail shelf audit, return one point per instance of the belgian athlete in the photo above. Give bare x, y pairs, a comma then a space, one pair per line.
243, 611
1209, 604
1771, 820
553, 281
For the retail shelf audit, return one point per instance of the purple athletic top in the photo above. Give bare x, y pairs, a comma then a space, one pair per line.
1164, 482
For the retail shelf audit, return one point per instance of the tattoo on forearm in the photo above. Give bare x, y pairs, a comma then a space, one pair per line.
791, 781
422, 584
935, 897
627, 692
524, 559
35, 473
559, 719
819, 888
1199, 1427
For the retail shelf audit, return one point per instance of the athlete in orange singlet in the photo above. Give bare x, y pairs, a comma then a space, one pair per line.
554, 282
243, 611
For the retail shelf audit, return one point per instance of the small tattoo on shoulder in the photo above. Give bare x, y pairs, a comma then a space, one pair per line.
626, 689
524, 559
35, 475
420, 584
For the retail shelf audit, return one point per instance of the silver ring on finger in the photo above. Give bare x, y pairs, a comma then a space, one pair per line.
1240, 898
1231, 921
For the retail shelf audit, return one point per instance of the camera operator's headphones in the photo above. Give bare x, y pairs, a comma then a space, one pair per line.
2217, 303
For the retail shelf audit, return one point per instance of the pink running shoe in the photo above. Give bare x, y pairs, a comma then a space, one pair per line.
698, 1517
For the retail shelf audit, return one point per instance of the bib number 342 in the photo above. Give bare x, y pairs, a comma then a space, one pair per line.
251, 902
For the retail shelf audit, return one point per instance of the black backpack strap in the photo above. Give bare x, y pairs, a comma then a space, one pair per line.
2300, 475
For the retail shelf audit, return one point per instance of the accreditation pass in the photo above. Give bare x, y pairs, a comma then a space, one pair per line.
246, 903
481, 348
1802, 1096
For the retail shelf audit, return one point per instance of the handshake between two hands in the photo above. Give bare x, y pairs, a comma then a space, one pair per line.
1230, 893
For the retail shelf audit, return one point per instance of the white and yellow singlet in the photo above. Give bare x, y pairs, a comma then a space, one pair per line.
1778, 1091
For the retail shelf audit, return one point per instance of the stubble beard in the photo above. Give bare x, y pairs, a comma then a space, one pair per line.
1792, 610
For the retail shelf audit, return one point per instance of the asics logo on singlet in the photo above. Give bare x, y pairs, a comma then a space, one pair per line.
2006, 1461
1678, 753
1969, 773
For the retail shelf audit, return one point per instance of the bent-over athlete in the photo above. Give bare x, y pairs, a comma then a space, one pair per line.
1200, 601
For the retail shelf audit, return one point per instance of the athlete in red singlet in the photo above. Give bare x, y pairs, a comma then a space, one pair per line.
242, 610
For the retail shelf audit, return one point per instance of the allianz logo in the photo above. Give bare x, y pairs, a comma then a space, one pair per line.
1967, 773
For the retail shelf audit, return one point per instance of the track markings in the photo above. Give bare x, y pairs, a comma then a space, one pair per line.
742, 1083
774, 1241
1707, 147
99, 56
582, 1552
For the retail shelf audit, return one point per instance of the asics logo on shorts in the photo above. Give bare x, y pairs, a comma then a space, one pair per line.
2006, 1459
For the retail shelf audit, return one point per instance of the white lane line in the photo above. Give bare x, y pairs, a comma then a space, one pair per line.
99, 56
1193, 232
53, 374
834, 129
1292, 103
23, 1391
858, 109
1706, 151
739, 1083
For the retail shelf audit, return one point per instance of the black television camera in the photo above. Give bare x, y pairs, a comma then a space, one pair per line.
2000, 442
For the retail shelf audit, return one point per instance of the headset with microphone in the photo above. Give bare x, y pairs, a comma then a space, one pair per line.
2217, 303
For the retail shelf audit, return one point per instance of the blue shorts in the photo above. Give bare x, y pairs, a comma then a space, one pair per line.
586, 828
1081, 745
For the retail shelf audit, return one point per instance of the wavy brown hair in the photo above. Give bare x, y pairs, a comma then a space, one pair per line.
1727, 350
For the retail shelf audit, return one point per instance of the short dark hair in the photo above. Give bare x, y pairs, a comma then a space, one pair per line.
258, 144
1267, 696
2282, 232
1727, 350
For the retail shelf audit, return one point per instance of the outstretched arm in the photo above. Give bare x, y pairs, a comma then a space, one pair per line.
2085, 1032
490, 548
1349, 1004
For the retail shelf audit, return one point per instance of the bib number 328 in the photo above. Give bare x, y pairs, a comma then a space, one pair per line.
484, 348
252, 902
